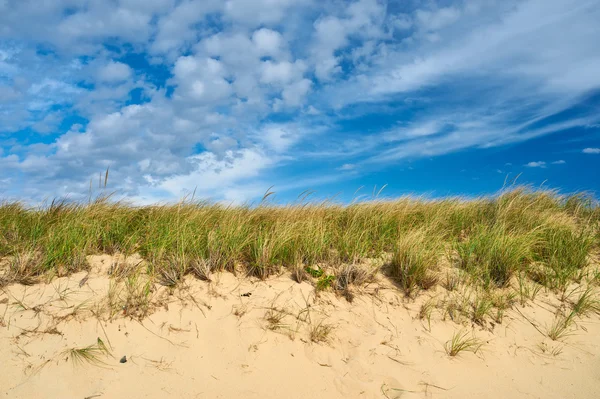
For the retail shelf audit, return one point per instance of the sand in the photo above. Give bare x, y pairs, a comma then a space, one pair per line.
243, 338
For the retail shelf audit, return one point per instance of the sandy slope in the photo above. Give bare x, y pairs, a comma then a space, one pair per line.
221, 346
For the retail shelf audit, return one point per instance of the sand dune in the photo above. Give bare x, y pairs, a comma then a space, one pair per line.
242, 338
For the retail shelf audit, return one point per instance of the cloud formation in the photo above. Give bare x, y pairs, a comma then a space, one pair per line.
228, 97
591, 151
536, 164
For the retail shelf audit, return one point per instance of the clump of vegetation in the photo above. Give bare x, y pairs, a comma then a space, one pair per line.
521, 239
493, 255
561, 327
23, 268
415, 256
586, 303
563, 252
274, 318
462, 342
324, 282
481, 307
92, 354
426, 310
320, 332
563, 324
527, 289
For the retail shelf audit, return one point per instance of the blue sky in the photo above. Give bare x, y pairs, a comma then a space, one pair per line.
229, 98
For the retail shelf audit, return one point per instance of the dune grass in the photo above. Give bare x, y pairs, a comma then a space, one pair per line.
520, 238
92, 354
461, 342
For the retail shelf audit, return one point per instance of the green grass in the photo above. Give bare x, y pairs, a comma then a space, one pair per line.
426, 310
521, 238
585, 304
560, 327
493, 255
462, 342
481, 307
92, 354
415, 256
563, 251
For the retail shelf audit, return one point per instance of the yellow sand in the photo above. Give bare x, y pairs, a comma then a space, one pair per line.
220, 345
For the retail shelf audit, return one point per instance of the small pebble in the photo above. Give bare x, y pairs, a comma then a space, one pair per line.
123, 359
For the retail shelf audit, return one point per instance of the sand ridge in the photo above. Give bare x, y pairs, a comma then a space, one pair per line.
242, 337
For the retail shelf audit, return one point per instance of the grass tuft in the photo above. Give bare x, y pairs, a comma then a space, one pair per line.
320, 332
561, 327
462, 342
586, 303
415, 256
92, 354
493, 255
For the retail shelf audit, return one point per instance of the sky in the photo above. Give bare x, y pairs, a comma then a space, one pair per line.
228, 99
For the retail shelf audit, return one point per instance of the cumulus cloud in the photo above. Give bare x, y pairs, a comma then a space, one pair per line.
363, 18
591, 150
294, 94
114, 72
257, 12
268, 42
176, 30
281, 72
278, 137
201, 80
226, 175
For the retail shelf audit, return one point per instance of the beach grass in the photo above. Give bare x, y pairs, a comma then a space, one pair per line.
522, 238
462, 342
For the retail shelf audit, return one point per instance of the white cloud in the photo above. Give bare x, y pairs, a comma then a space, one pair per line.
559, 162
294, 94
496, 47
114, 72
536, 164
176, 29
201, 80
148, 6
98, 21
463, 131
401, 22
591, 151
330, 35
311, 110
219, 145
363, 18
427, 128
278, 137
8, 94
257, 12
268, 42
281, 72
211, 175
437, 19
49, 123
